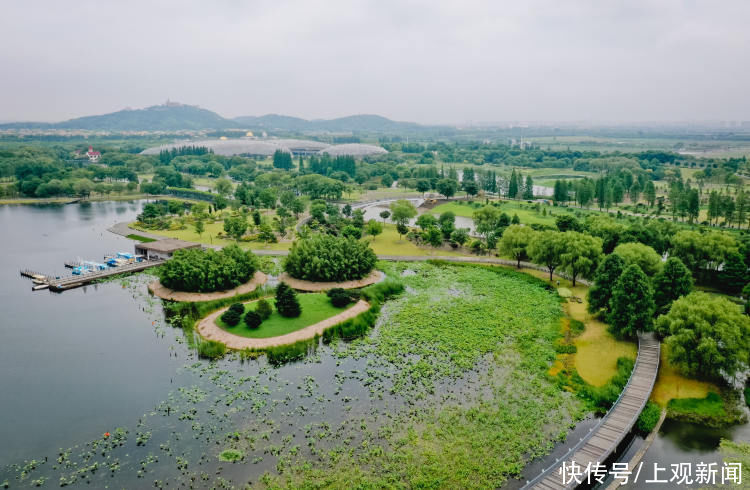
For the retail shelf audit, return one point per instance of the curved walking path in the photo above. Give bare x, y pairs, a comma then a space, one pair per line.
208, 329
313, 286
603, 439
170, 294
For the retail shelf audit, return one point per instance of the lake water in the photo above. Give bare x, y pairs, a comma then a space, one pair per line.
87, 361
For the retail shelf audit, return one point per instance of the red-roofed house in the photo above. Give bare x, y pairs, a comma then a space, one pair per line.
93, 155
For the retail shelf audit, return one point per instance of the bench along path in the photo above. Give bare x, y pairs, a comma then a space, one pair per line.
208, 329
603, 439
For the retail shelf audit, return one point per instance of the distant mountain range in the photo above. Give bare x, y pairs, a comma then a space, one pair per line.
175, 117
362, 122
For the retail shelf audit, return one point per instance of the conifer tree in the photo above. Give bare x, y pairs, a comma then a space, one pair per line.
287, 303
631, 307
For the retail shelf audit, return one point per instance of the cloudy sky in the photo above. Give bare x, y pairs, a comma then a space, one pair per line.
430, 61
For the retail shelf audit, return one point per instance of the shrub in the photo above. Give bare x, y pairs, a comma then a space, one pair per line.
649, 417
264, 309
339, 297
253, 319
351, 231
322, 257
286, 301
211, 349
577, 327
562, 348
233, 315
198, 270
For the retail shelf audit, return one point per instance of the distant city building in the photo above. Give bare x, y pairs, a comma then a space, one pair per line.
93, 155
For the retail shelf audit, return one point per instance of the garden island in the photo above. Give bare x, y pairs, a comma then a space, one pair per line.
379, 314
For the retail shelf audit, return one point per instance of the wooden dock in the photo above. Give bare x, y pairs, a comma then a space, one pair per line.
73, 281
603, 440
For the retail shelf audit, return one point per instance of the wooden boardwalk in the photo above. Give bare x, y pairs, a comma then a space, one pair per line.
603, 440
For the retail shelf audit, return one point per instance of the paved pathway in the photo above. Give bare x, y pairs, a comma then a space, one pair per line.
300, 285
172, 295
208, 329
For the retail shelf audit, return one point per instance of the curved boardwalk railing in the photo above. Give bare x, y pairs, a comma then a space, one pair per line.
603, 440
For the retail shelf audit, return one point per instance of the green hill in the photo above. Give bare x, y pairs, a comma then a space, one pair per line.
168, 117
361, 122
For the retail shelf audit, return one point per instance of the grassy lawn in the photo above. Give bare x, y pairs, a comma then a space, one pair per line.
525, 211
209, 237
142, 239
357, 195
316, 307
388, 243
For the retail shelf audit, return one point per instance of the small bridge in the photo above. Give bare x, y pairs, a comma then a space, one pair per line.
602, 442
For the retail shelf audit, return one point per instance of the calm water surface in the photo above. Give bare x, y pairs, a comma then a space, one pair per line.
76, 364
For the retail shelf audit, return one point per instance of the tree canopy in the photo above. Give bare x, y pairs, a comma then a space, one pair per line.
674, 280
515, 242
706, 336
581, 255
641, 255
199, 270
547, 249
631, 307
327, 258
605, 278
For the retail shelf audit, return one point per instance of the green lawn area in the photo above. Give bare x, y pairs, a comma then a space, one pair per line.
524, 210
388, 243
316, 307
209, 237
142, 239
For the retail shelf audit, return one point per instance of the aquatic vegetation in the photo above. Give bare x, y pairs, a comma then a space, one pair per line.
211, 349
231, 455
442, 379
715, 410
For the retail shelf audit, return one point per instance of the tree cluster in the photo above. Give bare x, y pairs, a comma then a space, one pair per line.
197, 270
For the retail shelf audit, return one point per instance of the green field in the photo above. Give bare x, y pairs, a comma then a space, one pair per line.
209, 237
316, 307
389, 243
525, 211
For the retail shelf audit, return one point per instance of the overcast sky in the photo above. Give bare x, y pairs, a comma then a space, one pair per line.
431, 62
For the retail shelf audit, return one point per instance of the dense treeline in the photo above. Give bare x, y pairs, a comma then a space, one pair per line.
45, 171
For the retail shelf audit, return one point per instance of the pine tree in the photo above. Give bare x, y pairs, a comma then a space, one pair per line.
528, 190
671, 282
631, 307
513, 185
733, 274
287, 303
606, 277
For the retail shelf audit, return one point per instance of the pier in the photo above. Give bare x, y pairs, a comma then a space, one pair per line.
64, 283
